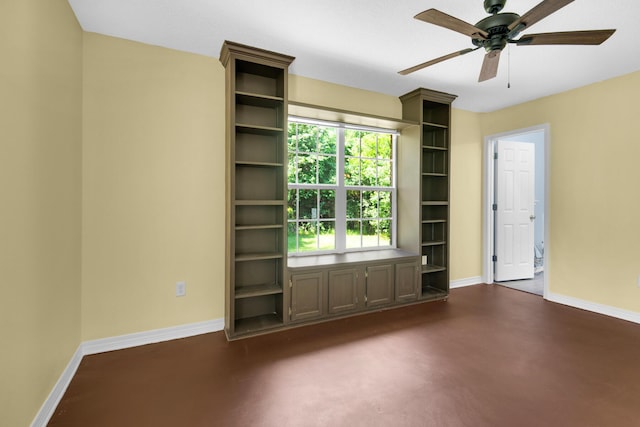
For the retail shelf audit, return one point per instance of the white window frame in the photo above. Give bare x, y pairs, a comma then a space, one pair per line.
341, 189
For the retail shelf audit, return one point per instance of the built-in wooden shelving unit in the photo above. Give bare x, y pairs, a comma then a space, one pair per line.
430, 145
256, 154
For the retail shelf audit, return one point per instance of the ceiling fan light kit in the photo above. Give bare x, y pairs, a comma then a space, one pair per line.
494, 32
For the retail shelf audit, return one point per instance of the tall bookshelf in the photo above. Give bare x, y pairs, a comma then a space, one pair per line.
256, 183
430, 145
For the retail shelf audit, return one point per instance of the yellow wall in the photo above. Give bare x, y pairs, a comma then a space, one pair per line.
594, 245
466, 195
40, 146
318, 92
153, 187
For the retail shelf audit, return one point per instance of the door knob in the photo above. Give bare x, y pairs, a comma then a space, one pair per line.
532, 217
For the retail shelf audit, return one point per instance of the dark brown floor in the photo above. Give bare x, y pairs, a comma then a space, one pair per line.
489, 356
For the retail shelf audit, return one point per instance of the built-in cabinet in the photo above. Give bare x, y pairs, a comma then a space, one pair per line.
333, 285
380, 284
265, 289
307, 295
426, 189
407, 275
256, 154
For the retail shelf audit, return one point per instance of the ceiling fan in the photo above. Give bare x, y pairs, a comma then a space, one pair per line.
495, 31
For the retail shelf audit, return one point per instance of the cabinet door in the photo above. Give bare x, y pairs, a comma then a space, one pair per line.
379, 285
343, 290
407, 281
306, 295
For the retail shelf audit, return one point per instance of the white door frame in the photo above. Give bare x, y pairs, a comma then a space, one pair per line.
488, 183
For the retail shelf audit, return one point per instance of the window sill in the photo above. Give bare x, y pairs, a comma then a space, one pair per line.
325, 260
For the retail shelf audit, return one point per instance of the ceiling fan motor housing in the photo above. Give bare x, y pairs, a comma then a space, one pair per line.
494, 6
497, 26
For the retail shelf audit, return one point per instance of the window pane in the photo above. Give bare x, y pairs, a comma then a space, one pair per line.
354, 235
292, 137
327, 235
308, 204
369, 204
327, 170
292, 204
307, 138
328, 140
307, 169
307, 236
292, 168
369, 144
352, 142
384, 173
292, 244
352, 171
369, 168
353, 204
385, 146
369, 233
327, 204
384, 198
385, 232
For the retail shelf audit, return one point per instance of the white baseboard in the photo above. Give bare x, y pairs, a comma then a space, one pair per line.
469, 281
51, 403
152, 336
117, 343
607, 310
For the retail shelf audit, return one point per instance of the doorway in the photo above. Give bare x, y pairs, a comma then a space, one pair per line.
537, 251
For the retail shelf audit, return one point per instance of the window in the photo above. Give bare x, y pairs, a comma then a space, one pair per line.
341, 188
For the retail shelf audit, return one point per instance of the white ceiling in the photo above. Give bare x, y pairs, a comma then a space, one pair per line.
364, 43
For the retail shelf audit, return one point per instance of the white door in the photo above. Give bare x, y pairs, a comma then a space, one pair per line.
514, 213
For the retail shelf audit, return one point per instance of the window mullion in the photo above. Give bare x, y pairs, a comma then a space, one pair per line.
341, 196
394, 194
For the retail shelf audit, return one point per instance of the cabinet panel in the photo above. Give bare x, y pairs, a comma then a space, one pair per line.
252, 314
436, 255
435, 284
248, 216
259, 148
259, 183
435, 137
380, 283
434, 232
407, 281
259, 79
435, 188
259, 241
307, 292
343, 290
435, 112
258, 274
252, 115
434, 161
435, 212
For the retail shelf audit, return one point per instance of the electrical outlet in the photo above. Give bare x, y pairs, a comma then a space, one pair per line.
181, 289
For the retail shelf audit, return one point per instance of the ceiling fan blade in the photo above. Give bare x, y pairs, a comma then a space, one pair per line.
569, 37
434, 61
435, 17
490, 65
539, 12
